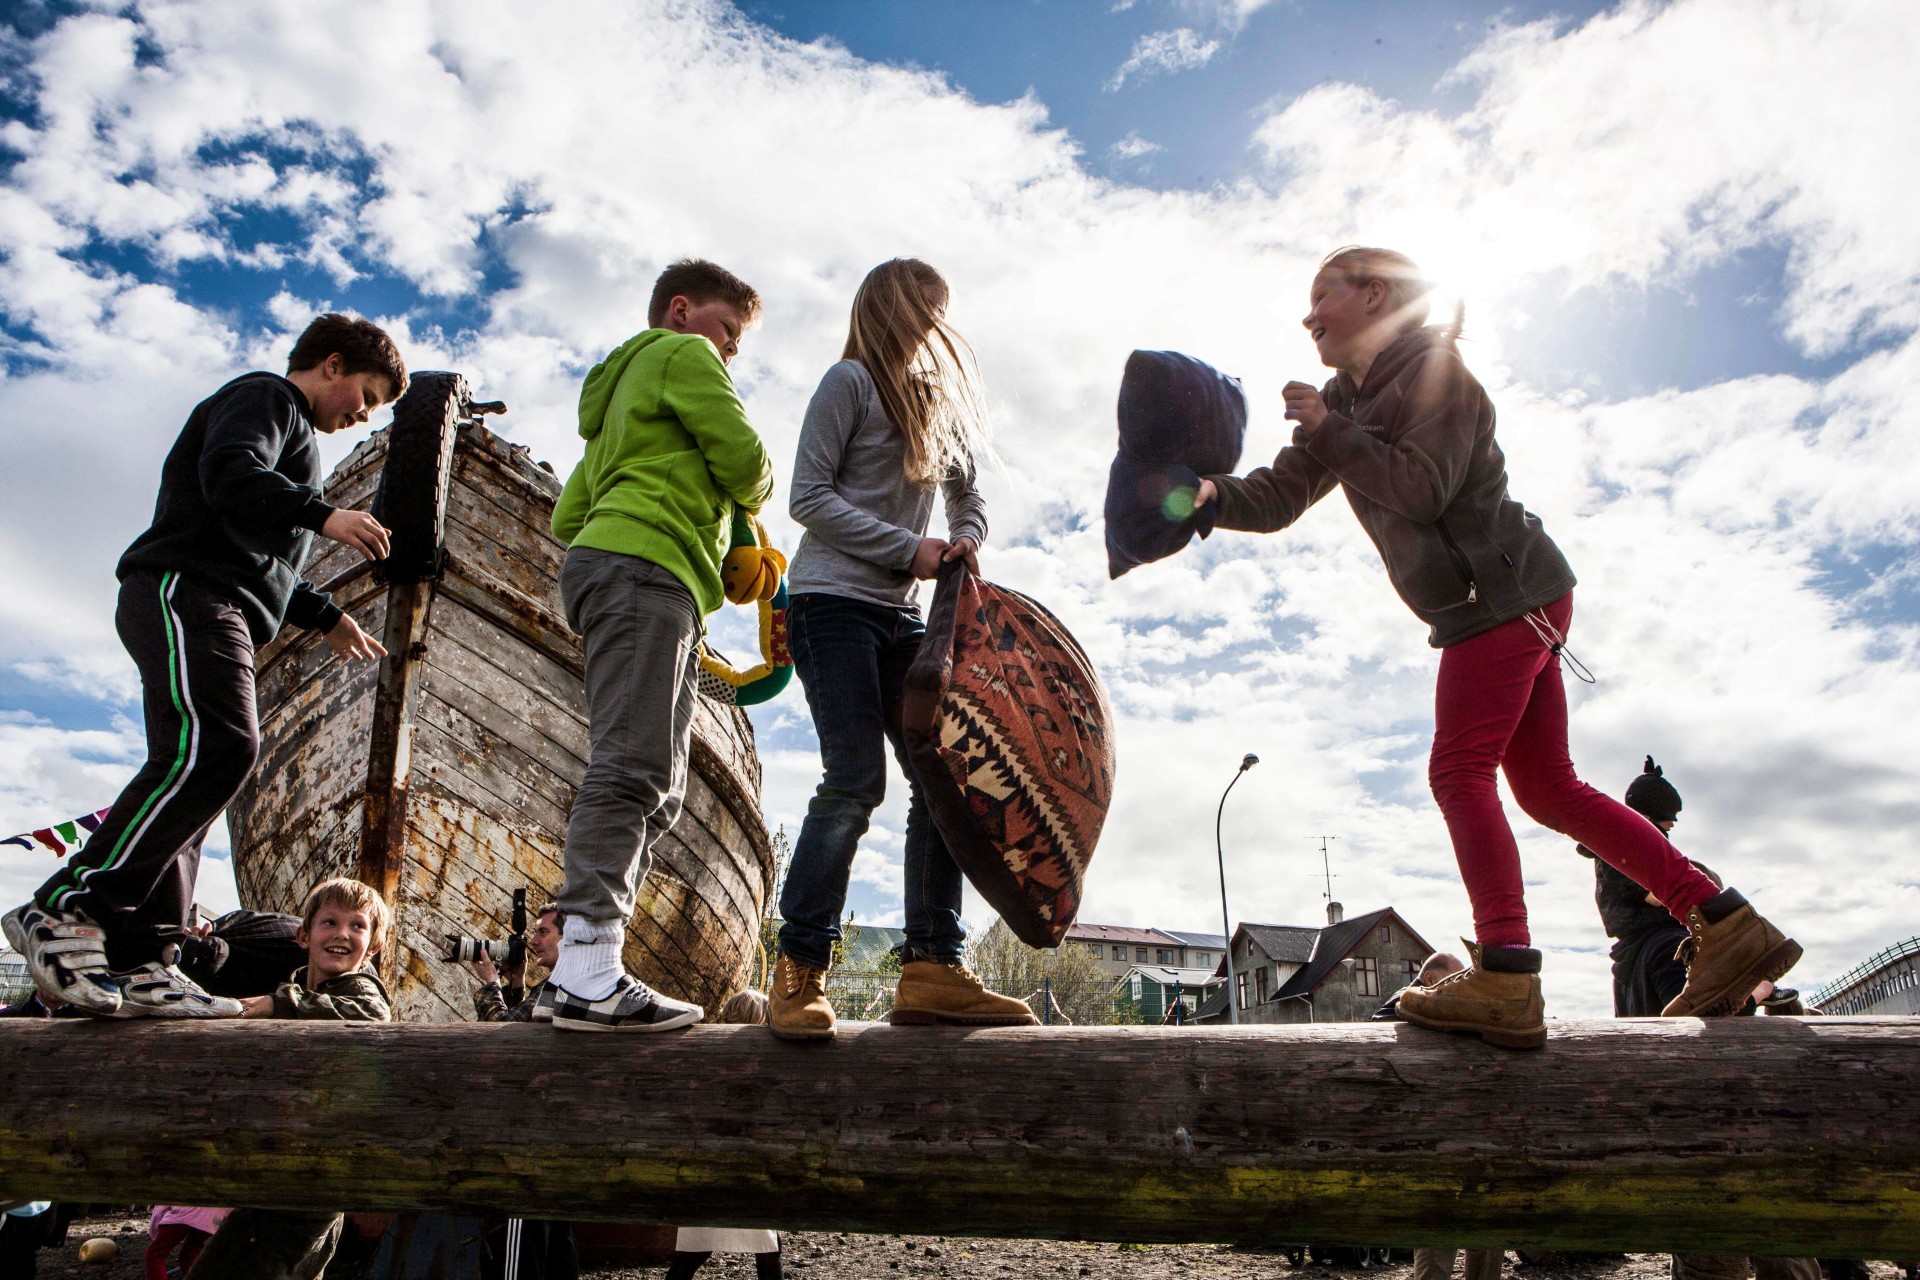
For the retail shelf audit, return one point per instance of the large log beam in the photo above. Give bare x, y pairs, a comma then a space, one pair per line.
1776, 1136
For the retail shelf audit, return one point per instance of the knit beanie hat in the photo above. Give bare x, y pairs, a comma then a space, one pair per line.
1652, 796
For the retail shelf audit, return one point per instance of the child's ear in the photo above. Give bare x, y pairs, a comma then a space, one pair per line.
301, 938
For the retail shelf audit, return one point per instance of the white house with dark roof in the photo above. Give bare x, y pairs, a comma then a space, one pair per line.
1119, 947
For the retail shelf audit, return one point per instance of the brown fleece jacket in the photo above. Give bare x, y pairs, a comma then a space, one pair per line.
1415, 452
352, 997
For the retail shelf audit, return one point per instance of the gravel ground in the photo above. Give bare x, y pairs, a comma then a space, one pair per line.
815, 1256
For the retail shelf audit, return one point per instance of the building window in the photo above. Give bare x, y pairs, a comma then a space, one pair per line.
1240, 984
1202, 958
1163, 956
1265, 983
1413, 970
1119, 953
1366, 972
1097, 949
1140, 955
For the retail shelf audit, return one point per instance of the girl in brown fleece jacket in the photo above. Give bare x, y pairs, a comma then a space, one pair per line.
1407, 432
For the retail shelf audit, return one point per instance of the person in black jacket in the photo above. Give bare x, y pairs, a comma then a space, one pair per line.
1647, 969
214, 578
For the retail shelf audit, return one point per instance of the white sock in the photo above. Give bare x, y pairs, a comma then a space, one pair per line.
589, 963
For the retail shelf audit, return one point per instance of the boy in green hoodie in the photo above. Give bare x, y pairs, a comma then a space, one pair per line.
646, 516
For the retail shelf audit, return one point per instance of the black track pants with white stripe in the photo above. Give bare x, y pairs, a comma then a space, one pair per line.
136, 875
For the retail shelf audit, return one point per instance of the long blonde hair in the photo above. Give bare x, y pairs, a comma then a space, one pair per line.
924, 371
1409, 294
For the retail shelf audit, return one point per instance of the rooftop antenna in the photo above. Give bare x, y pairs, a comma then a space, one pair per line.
1326, 865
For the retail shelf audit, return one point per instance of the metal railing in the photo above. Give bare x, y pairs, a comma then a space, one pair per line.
1860, 975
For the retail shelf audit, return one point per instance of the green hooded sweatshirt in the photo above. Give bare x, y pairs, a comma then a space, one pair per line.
669, 453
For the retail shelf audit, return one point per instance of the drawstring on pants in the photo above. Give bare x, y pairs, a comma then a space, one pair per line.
1550, 636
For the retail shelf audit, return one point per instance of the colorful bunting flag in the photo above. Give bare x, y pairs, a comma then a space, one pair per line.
62, 838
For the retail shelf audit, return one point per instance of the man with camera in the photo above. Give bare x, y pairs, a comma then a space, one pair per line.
494, 1002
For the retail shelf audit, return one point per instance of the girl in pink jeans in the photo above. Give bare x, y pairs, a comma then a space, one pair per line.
1407, 432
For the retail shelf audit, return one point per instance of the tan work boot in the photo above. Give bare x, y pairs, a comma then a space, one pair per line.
1496, 997
931, 992
1730, 949
797, 1007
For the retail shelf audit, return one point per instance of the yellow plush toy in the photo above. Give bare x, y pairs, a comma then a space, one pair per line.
754, 573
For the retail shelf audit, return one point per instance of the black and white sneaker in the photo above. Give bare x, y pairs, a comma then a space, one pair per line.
66, 955
159, 990
631, 1006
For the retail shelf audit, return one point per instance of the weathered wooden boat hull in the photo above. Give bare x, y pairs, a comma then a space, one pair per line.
444, 776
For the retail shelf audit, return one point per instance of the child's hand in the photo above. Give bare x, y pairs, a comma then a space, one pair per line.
349, 641
927, 560
1304, 405
1204, 494
964, 548
256, 1006
359, 530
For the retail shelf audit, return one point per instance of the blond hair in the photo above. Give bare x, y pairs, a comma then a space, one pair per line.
1409, 293
745, 1008
923, 370
354, 896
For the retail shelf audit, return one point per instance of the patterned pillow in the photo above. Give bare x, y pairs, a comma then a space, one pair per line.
1011, 739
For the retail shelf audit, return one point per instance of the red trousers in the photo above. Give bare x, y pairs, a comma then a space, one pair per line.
174, 1235
1500, 705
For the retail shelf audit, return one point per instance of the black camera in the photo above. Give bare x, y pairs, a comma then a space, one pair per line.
509, 953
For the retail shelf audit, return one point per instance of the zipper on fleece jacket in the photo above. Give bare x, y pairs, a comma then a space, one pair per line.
1461, 565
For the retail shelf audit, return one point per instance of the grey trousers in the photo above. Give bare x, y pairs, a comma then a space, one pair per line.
269, 1244
1437, 1264
641, 631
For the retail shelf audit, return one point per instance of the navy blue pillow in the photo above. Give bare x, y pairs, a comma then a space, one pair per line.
1180, 419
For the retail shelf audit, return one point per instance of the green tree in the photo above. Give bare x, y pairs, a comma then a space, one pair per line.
1080, 991
767, 943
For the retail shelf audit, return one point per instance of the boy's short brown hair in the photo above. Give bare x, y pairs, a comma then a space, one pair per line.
698, 280
354, 896
362, 345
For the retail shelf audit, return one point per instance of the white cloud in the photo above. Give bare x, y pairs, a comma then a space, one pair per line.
585, 148
1164, 52
1133, 147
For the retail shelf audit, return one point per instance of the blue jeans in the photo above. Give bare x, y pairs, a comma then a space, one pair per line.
852, 659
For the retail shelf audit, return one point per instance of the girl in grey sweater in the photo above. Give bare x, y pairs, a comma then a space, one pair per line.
895, 420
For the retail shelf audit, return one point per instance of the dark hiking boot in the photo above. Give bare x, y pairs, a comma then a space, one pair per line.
935, 991
1730, 949
797, 1006
66, 956
1496, 997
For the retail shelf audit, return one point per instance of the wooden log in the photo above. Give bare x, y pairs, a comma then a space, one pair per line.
1775, 1136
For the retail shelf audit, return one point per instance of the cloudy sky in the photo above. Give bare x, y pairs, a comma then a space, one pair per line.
1682, 231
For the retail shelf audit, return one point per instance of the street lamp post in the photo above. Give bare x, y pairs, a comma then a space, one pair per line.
1226, 922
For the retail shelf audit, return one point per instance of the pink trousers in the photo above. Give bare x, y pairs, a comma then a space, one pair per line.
1500, 705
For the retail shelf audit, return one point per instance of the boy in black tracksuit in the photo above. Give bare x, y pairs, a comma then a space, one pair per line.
212, 580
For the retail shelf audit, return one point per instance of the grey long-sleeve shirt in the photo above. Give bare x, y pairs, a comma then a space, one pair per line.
863, 518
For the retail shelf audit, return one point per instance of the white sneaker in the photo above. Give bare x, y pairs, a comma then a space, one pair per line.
159, 990
66, 955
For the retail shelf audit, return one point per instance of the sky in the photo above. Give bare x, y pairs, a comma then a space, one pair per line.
1681, 233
